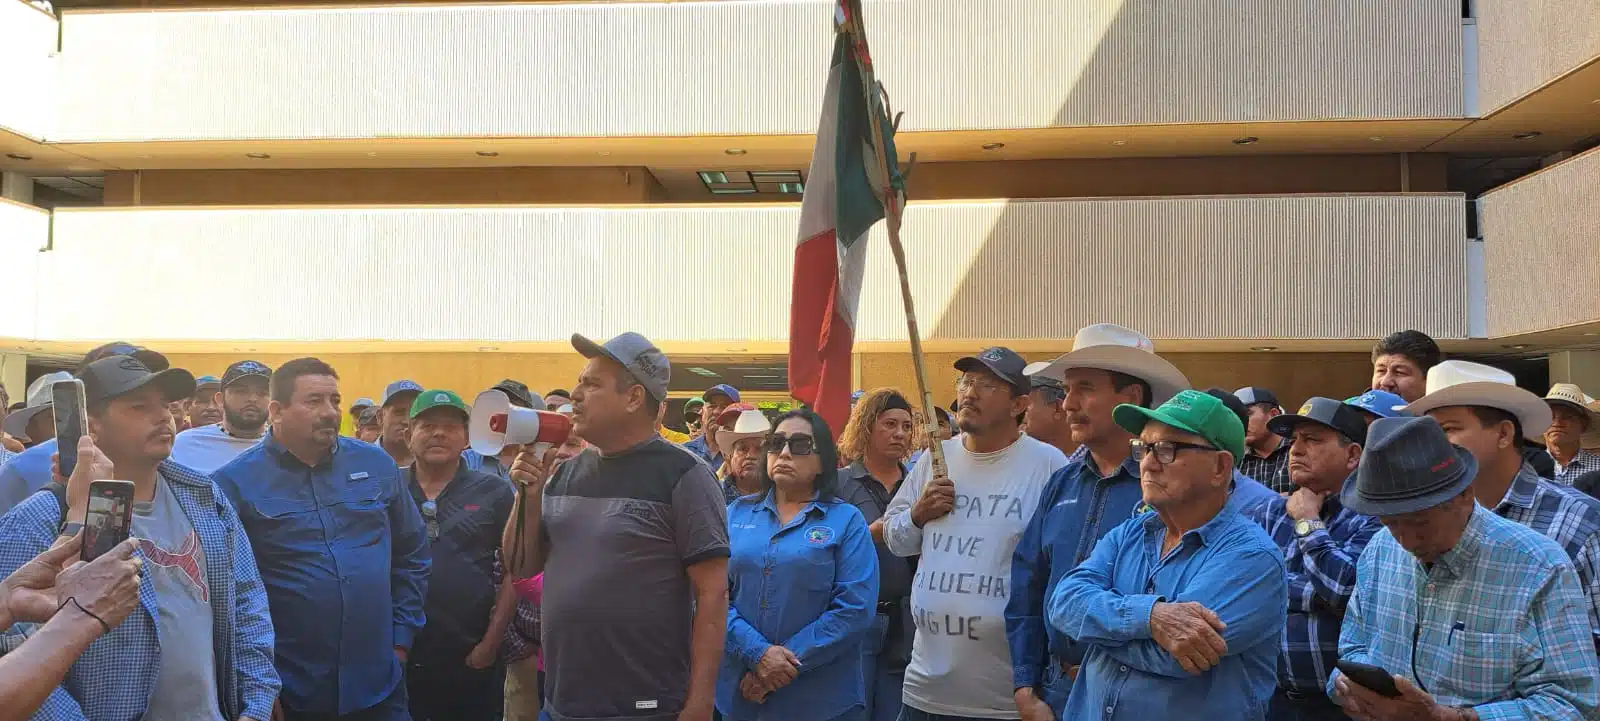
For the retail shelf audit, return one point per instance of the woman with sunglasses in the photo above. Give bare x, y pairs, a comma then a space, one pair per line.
803, 584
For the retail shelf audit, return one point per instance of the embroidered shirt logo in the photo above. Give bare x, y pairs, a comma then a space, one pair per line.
819, 535
185, 560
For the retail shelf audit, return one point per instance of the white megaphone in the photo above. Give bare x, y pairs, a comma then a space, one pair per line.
496, 423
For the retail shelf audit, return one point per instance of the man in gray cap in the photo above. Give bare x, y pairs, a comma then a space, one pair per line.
396, 420
634, 536
1320, 540
1046, 420
1471, 615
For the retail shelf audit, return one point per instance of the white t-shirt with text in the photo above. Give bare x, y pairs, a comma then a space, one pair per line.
960, 661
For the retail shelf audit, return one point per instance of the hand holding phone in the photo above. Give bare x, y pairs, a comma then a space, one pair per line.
1372, 678
109, 518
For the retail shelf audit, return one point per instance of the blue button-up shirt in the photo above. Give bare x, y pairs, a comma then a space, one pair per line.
343, 552
25, 473
1228, 565
698, 447
1321, 571
1497, 623
809, 585
1077, 507
1564, 515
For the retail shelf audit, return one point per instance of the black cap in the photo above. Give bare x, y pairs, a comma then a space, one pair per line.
1003, 362
1251, 396
118, 375
519, 394
1327, 412
559, 392
245, 369
151, 359
1038, 381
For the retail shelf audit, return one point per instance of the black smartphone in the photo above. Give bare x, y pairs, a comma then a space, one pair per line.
109, 518
66, 403
1373, 678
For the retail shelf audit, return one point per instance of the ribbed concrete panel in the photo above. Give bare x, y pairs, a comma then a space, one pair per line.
1190, 267
28, 80
1541, 239
734, 67
23, 231
1523, 44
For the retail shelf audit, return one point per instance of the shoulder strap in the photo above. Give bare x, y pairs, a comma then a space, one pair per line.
60, 492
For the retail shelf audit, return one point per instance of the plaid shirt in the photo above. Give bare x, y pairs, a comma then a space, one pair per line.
1582, 463
1272, 470
1568, 517
113, 679
1496, 623
1321, 570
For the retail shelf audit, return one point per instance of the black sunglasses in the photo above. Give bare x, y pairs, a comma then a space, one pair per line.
799, 445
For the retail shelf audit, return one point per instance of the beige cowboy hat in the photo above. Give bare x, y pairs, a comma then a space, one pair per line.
40, 399
749, 424
1571, 396
1111, 347
1463, 383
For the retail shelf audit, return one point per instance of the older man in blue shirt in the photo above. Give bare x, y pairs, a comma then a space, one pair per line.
1181, 608
342, 550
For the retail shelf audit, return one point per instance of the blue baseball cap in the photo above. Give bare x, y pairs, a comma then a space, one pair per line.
723, 388
1382, 404
398, 387
204, 381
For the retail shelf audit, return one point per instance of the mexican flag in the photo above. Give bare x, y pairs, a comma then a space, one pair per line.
838, 209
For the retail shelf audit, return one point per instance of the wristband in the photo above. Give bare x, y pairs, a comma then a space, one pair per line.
70, 529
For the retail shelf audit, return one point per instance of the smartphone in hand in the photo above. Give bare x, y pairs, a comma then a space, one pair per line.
67, 405
109, 518
1373, 678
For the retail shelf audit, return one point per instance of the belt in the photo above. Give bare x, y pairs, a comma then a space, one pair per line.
1317, 697
888, 607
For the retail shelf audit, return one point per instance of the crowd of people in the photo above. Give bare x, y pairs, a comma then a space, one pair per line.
1106, 542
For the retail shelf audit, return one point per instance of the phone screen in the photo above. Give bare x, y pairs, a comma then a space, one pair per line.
66, 400
109, 517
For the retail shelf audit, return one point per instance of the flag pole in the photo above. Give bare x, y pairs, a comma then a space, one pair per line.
856, 27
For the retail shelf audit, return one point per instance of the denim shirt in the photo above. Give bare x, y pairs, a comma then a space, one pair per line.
24, 473
344, 555
115, 676
1077, 508
1228, 565
809, 585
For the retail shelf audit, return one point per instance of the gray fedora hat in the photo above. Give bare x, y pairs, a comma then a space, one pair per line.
1409, 466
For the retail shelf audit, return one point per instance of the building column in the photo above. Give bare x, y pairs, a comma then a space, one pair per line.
16, 186
1577, 366
14, 376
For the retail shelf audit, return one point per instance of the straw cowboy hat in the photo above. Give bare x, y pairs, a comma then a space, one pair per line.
1111, 347
749, 424
39, 401
1462, 383
1571, 396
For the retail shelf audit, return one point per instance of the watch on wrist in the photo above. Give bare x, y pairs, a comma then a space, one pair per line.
70, 529
1304, 528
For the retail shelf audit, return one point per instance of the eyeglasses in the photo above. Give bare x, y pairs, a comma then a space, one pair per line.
982, 385
1165, 451
430, 514
799, 445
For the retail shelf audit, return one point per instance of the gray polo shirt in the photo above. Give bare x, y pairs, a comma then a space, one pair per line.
618, 606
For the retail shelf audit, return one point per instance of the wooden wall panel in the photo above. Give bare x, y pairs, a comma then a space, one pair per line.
442, 186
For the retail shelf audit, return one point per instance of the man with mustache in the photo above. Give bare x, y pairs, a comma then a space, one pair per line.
396, 419
745, 455
200, 645
342, 550
204, 408
244, 420
453, 670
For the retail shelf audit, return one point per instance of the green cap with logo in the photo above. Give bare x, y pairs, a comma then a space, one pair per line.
437, 399
1192, 412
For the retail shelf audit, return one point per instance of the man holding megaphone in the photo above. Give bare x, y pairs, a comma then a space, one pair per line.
634, 537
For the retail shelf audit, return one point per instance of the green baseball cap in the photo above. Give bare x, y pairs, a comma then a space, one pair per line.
1193, 412
436, 399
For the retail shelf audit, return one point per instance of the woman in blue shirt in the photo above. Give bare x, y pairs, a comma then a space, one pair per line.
803, 583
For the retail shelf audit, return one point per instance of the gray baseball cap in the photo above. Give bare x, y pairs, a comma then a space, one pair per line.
648, 365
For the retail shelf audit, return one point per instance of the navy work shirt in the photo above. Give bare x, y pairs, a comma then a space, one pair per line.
463, 545
344, 556
809, 585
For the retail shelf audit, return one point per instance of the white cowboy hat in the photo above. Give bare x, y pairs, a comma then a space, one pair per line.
1462, 383
39, 401
749, 424
1111, 347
